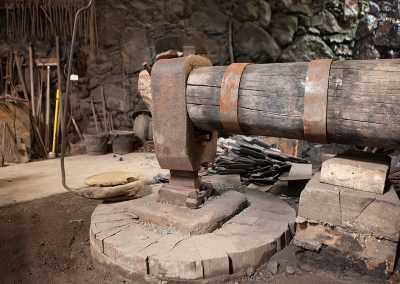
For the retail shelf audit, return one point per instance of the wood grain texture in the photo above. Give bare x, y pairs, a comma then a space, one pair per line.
17, 120
363, 101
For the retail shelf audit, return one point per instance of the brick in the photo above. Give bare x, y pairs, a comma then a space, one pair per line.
362, 212
320, 202
357, 170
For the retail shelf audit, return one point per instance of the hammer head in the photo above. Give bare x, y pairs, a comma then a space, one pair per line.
178, 144
180, 147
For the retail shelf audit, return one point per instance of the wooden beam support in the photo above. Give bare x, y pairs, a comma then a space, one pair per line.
363, 101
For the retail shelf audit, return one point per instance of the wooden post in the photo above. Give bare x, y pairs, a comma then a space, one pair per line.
21, 76
32, 83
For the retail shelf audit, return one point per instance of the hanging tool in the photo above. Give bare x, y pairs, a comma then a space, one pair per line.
77, 128
47, 118
21, 76
52, 154
94, 114
103, 102
59, 85
32, 84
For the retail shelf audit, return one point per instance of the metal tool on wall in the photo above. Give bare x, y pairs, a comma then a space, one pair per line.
45, 19
52, 154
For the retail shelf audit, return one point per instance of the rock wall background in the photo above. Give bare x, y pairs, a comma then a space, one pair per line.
134, 31
378, 32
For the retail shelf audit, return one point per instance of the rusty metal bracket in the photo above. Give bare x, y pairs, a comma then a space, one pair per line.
174, 134
230, 97
316, 101
179, 146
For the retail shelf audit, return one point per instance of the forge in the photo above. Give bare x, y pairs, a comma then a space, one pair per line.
206, 141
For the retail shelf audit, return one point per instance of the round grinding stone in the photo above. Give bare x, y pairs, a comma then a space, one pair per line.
111, 179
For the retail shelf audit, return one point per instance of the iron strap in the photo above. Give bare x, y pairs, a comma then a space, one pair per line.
230, 97
316, 101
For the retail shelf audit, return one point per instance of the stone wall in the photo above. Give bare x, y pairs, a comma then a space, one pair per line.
378, 32
133, 31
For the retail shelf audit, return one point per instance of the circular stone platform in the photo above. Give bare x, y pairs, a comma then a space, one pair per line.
119, 239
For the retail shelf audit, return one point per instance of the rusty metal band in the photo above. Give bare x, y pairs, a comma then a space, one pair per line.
230, 97
316, 101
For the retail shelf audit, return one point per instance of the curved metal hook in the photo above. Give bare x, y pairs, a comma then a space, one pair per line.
64, 114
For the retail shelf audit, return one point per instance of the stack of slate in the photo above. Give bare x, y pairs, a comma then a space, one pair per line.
394, 173
255, 161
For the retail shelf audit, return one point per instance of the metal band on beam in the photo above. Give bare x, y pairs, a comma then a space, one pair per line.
316, 101
230, 97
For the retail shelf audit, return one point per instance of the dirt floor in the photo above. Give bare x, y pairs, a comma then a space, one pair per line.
44, 177
47, 240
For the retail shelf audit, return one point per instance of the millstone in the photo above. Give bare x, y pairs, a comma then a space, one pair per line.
124, 242
111, 179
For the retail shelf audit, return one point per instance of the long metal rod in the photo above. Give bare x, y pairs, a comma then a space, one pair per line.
31, 83
67, 90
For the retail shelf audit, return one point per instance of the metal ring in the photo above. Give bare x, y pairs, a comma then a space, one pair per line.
230, 97
316, 101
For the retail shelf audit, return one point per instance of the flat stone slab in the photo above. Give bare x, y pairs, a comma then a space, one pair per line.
122, 241
357, 170
223, 182
362, 212
193, 221
111, 178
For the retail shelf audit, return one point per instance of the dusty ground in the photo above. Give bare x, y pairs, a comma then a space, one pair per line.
47, 240
26, 182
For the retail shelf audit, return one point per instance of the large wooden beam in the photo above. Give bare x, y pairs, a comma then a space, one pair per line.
363, 101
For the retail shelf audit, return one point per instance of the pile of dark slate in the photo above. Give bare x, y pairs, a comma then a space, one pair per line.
394, 173
255, 161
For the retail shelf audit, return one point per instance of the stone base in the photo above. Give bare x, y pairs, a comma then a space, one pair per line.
178, 195
120, 239
363, 224
192, 221
378, 254
357, 170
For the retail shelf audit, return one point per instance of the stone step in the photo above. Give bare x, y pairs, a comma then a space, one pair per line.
366, 212
363, 224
